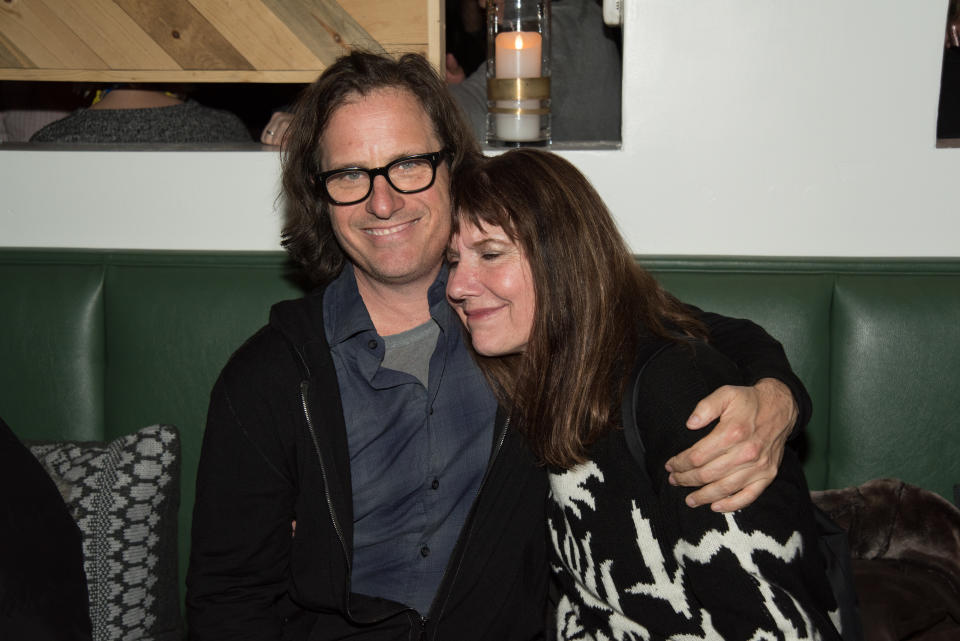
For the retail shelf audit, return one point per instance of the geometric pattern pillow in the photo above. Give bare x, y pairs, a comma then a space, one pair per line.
124, 495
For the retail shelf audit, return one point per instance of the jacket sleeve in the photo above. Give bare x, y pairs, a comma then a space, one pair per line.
754, 572
241, 533
758, 355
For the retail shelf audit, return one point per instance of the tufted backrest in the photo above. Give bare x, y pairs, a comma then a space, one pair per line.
876, 342
94, 345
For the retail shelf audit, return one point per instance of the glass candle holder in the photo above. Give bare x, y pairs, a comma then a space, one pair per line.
518, 72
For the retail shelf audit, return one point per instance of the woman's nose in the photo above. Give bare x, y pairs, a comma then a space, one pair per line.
461, 283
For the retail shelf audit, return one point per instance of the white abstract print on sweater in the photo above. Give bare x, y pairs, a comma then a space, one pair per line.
605, 604
634, 562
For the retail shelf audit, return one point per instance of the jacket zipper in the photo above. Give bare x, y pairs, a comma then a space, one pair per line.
466, 536
304, 386
323, 473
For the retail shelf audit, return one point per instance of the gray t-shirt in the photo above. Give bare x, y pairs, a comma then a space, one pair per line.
410, 351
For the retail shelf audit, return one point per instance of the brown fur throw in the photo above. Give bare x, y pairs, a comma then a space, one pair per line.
905, 544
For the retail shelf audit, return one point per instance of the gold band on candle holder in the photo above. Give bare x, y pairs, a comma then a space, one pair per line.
518, 89
517, 112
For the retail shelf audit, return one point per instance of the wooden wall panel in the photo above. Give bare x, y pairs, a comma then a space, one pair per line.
404, 28
265, 40
323, 26
205, 40
184, 34
36, 30
112, 34
11, 57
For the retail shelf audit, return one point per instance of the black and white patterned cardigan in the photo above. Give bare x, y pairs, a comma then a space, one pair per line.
634, 562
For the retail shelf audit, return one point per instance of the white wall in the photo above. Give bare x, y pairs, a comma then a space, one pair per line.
751, 127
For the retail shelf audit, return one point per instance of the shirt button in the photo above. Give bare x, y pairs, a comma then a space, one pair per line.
435, 484
372, 344
424, 551
431, 411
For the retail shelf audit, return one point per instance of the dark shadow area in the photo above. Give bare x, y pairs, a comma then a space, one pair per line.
948, 111
252, 102
26, 107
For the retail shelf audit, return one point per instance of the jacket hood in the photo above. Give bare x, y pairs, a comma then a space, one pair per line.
300, 322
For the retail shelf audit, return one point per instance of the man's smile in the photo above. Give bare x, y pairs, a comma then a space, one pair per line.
388, 231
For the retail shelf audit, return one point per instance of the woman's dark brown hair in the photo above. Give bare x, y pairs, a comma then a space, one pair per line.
593, 302
307, 231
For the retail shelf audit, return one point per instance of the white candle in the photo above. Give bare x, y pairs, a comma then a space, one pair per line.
518, 56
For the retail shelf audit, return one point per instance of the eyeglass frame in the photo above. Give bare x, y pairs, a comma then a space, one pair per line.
434, 157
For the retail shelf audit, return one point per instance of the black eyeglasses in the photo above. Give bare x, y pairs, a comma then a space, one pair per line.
408, 175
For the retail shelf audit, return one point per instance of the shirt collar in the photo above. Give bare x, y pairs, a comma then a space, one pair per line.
345, 315
440, 309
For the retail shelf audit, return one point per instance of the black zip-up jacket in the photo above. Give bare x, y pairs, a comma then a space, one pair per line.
275, 451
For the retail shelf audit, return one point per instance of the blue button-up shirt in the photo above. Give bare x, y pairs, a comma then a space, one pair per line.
417, 455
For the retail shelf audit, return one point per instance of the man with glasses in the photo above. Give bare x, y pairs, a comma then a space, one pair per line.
356, 479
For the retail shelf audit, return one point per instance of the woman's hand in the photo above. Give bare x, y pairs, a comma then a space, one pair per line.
736, 462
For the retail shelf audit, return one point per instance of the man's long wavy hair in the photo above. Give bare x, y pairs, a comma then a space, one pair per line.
307, 231
593, 302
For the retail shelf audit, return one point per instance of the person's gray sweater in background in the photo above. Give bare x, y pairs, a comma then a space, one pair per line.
189, 122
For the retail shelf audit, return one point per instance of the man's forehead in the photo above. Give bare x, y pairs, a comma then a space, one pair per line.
393, 99
391, 119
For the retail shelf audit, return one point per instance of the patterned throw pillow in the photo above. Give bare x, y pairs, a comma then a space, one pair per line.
124, 496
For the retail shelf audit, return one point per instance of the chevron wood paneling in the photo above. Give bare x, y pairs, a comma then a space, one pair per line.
205, 40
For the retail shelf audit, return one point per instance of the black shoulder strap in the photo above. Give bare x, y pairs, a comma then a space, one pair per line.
628, 407
835, 549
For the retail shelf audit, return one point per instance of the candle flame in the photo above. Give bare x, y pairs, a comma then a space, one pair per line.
518, 42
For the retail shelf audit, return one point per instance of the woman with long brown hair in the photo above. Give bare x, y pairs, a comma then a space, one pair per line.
559, 313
